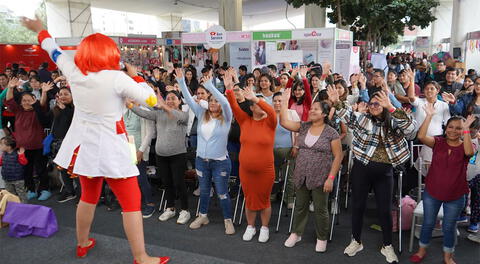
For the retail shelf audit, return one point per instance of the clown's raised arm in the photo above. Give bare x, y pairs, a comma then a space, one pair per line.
90, 59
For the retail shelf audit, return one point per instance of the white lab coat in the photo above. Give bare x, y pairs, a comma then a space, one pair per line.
99, 100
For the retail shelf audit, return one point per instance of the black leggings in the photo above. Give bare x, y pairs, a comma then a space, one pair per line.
39, 162
172, 172
380, 177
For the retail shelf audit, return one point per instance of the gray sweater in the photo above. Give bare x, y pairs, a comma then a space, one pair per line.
171, 130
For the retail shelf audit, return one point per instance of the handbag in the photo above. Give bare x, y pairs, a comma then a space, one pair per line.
47, 142
30, 219
6, 198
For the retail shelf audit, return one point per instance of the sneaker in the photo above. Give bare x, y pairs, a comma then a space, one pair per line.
473, 228
475, 238
311, 208
197, 192
321, 246
31, 195
183, 217
249, 233
44, 195
199, 221
169, 213
65, 197
462, 219
353, 248
264, 234
290, 206
148, 211
389, 254
292, 240
229, 228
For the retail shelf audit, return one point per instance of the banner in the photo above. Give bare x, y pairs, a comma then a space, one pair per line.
315, 33
280, 56
272, 35
241, 54
137, 41
342, 57
354, 62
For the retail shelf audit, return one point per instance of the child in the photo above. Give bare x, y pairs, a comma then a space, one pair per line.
13, 162
473, 178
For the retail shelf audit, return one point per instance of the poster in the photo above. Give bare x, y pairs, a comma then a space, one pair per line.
379, 61
280, 56
354, 62
240, 54
325, 51
342, 57
310, 50
259, 53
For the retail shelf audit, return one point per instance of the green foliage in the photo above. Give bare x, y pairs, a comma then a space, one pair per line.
378, 21
13, 32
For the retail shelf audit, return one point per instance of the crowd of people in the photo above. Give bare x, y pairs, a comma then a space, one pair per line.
296, 124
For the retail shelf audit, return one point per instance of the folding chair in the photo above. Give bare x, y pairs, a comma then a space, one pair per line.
283, 195
236, 203
400, 184
349, 172
335, 209
162, 200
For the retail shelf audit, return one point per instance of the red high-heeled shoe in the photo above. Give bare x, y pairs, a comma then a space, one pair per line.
416, 258
163, 260
82, 251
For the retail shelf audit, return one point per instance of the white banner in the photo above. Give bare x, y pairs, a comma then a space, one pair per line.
280, 56
313, 33
240, 54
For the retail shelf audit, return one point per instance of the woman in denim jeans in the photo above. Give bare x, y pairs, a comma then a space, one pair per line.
212, 163
446, 181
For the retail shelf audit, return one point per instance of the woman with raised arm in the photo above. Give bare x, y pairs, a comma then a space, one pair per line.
318, 161
170, 149
379, 144
301, 96
95, 147
257, 171
442, 113
446, 181
212, 163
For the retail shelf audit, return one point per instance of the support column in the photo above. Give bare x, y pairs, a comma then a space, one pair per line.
463, 11
67, 18
229, 17
315, 16
440, 28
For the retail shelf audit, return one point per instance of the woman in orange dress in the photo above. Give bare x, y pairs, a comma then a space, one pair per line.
257, 171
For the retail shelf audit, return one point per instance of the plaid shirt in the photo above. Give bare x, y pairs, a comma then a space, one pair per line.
367, 133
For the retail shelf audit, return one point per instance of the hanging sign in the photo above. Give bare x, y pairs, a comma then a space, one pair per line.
216, 37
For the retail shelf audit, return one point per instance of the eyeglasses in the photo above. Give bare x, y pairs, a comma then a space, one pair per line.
374, 104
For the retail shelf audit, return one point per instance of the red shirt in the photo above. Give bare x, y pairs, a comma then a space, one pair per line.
29, 132
447, 177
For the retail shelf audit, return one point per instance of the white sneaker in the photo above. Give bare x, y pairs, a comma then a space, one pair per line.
311, 208
183, 217
199, 221
249, 233
169, 213
353, 248
264, 234
389, 254
321, 246
292, 240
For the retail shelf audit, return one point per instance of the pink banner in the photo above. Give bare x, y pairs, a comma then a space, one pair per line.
238, 36
193, 38
137, 41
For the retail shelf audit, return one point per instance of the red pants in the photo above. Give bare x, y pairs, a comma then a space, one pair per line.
125, 189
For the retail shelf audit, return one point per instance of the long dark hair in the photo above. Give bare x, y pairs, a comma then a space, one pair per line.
296, 85
457, 118
270, 79
471, 105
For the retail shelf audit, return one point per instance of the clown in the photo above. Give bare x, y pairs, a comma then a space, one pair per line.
96, 145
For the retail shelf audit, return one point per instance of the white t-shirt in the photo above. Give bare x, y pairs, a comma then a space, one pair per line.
207, 128
441, 116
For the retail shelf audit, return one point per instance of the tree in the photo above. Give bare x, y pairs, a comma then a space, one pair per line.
13, 32
380, 22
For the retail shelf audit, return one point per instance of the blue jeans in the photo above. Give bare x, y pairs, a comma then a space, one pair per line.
144, 184
451, 211
218, 172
